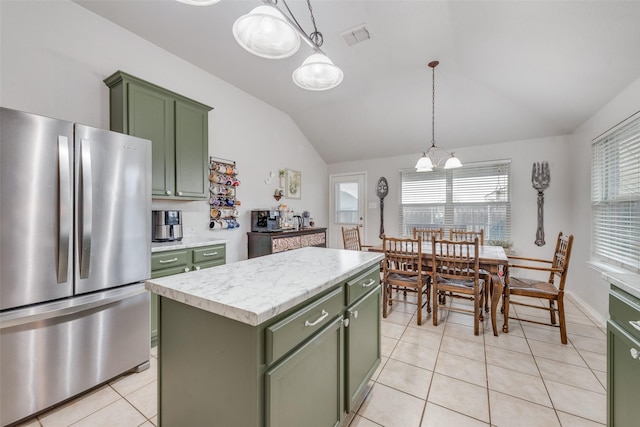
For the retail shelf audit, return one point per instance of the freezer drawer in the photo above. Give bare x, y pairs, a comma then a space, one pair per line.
55, 351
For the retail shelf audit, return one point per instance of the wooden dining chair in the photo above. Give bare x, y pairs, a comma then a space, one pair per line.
351, 239
463, 234
455, 271
427, 233
402, 270
551, 290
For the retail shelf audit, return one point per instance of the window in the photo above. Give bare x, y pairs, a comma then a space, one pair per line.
473, 197
615, 195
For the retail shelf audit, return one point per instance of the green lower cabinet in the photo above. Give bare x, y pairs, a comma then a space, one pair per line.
363, 345
623, 359
623, 377
304, 367
306, 388
168, 263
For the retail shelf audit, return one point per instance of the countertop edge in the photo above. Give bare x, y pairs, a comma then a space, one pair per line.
255, 317
185, 243
628, 282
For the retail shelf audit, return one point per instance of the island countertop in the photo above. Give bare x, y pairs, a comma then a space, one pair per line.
255, 290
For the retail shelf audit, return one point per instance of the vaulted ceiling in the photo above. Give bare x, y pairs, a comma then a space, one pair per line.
509, 70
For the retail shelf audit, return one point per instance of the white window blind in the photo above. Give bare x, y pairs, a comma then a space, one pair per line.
474, 197
615, 195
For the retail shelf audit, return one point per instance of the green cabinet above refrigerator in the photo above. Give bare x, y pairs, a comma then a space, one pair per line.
177, 127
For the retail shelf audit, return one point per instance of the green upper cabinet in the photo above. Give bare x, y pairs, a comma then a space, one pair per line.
177, 127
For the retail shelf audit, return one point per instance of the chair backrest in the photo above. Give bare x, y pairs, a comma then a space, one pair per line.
455, 259
351, 238
402, 256
561, 257
466, 235
427, 233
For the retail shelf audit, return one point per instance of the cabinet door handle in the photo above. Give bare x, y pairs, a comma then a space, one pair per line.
635, 324
197, 268
634, 353
167, 261
353, 313
210, 254
366, 285
186, 269
320, 319
179, 193
168, 192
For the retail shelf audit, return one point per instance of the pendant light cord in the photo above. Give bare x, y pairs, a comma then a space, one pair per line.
433, 103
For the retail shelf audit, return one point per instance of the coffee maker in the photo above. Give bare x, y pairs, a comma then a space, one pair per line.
306, 219
166, 225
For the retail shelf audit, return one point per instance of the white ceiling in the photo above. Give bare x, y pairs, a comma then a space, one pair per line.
509, 70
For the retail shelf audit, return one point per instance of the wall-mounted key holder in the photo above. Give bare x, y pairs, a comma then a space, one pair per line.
223, 186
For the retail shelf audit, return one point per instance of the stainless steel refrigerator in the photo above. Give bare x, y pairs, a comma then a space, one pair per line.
75, 246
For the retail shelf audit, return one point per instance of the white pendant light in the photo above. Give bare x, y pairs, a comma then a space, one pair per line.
265, 33
428, 162
199, 2
317, 72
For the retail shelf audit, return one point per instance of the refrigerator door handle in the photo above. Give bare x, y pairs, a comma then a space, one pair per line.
85, 207
64, 202
68, 307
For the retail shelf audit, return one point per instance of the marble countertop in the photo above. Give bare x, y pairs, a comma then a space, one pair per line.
255, 290
628, 282
185, 243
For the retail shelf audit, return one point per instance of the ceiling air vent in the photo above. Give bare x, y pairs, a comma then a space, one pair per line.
356, 35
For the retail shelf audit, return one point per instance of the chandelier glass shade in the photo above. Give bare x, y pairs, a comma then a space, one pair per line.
264, 32
317, 72
429, 161
270, 33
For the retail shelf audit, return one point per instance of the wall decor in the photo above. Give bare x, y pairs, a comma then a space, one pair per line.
540, 179
223, 185
293, 185
382, 189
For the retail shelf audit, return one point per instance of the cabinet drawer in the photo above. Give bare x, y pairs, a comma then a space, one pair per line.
624, 310
170, 259
292, 330
208, 254
362, 284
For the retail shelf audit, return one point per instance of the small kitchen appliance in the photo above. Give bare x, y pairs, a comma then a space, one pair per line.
265, 220
167, 225
306, 219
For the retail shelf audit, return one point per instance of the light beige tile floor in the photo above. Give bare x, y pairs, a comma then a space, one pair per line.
429, 376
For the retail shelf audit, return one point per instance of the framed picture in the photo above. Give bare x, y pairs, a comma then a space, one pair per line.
293, 188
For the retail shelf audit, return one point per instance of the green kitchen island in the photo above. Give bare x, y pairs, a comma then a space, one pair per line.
289, 339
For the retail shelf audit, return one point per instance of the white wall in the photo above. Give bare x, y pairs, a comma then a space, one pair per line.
55, 55
523, 196
587, 281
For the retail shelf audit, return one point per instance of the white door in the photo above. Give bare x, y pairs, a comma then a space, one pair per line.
346, 205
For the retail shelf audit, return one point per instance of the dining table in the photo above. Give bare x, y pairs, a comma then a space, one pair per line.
491, 258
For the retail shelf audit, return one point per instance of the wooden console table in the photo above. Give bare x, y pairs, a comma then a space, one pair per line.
261, 244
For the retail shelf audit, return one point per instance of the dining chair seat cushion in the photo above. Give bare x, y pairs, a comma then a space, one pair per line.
531, 286
402, 278
460, 283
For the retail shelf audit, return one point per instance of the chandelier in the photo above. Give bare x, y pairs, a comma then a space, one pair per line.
270, 33
428, 161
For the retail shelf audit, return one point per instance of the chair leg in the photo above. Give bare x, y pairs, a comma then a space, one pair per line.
477, 312
505, 305
436, 303
552, 310
487, 289
563, 323
428, 294
481, 295
385, 299
419, 305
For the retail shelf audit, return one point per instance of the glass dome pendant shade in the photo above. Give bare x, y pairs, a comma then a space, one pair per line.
424, 164
265, 33
452, 162
317, 72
